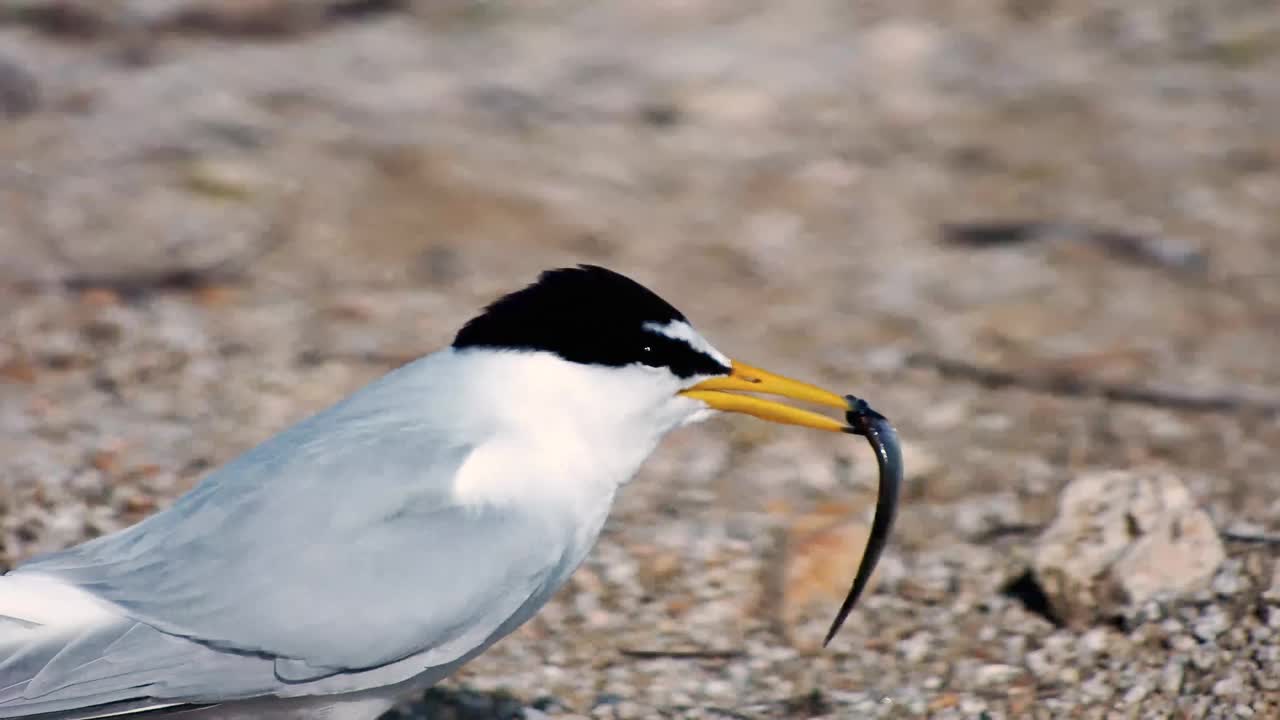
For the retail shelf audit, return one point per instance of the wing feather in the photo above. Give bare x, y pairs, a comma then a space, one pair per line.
312, 563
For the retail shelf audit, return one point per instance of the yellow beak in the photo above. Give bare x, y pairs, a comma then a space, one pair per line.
719, 393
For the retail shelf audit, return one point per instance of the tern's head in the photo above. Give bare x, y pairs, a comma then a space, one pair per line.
598, 339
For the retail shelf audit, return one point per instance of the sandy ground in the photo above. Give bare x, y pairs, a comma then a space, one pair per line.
1041, 236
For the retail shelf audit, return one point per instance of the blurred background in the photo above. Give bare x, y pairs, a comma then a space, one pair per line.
1039, 235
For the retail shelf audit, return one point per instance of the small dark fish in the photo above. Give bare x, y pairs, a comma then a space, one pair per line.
865, 421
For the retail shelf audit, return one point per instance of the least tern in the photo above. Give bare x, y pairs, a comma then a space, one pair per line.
372, 549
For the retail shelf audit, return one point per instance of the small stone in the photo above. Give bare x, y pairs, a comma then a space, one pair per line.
1039, 662
1229, 581
1211, 625
139, 504
99, 297
1171, 678
1204, 658
105, 460
1096, 687
1136, 694
1095, 641
1021, 699
1229, 686
224, 179
1120, 539
945, 701
915, 648
996, 675
1144, 614
657, 568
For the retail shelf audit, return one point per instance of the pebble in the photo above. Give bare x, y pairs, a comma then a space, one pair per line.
915, 648
1212, 624
1136, 694
996, 675
1095, 640
1229, 581
1097, 688
1171, 677
1229, 686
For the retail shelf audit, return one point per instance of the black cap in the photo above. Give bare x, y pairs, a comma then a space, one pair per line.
588, 315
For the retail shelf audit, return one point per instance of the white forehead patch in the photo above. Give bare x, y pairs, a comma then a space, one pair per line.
683, 331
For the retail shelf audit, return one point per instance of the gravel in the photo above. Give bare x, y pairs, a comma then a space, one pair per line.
213, 223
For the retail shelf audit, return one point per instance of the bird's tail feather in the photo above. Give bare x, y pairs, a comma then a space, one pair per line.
56, 645
65, 654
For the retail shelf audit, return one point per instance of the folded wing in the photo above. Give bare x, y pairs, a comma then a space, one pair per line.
326, 559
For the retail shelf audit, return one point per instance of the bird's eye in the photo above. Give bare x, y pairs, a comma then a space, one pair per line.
648, 348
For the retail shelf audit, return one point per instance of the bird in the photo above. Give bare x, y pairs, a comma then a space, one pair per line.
370, 550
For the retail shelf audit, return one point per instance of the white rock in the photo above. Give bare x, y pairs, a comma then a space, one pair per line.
1211, 625
996, 675
1095, 641
915, 649
1228, 686
1120, 539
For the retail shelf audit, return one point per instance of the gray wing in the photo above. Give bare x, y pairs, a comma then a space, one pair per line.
480, 584
333, 547
124, 665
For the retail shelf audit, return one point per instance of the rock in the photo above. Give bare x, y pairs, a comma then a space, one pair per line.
1135, 694
1171, 677
915, 649
1229, 686
223, 179
996, 675
1212, 624
1120, 539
